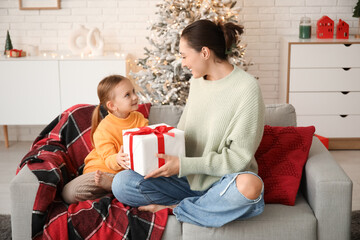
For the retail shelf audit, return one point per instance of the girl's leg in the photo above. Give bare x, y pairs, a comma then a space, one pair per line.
132, 189
221, 204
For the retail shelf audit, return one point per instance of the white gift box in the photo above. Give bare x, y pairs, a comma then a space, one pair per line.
142, 145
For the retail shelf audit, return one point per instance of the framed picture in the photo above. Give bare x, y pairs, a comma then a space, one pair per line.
39, 4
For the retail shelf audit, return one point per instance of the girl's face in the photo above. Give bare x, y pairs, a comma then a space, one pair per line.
192, 59
124, 99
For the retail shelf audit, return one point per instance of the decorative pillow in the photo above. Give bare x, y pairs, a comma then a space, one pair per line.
144, 109
281, 157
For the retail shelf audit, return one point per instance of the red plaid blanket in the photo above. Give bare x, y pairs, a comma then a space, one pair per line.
56, 157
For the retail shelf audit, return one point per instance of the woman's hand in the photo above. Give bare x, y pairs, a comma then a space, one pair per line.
171, 167
122, 159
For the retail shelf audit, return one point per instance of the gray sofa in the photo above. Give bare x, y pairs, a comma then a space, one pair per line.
322, 209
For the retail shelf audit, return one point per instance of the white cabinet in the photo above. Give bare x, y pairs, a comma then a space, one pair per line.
321, 79
79, 79
29, 92
34, 90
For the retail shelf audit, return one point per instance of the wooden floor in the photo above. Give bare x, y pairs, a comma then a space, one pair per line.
10, 157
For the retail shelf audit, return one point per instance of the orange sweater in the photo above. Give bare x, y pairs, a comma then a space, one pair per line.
108, 141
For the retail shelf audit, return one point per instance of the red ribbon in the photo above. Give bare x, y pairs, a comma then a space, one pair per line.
15, 51
159, 131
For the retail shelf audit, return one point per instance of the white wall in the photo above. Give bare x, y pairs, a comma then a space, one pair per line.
124, 23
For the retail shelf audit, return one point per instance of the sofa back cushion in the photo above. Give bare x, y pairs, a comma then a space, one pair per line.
275, 115
165, 114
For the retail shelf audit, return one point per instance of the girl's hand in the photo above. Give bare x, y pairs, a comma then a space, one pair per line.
122, 159
171, 167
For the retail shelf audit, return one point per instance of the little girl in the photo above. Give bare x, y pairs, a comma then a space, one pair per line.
117, 95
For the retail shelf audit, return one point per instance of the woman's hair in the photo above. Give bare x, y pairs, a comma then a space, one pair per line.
105, 93
219, 37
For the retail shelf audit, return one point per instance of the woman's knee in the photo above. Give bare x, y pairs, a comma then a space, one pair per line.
123, 184
249, 185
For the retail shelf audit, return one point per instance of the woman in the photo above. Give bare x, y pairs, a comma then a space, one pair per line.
223, 122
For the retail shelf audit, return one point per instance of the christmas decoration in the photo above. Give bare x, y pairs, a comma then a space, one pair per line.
325, 27
16, 53
8, 44
85, 41
342, 30
357, 15
162, 78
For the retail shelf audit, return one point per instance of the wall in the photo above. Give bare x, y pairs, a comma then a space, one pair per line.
124, 23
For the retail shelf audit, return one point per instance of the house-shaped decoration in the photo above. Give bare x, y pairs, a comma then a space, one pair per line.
325, 27
342, 30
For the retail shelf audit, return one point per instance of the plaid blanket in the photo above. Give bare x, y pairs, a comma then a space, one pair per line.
56, 157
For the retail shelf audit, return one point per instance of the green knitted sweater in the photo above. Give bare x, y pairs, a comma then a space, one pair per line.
223, 122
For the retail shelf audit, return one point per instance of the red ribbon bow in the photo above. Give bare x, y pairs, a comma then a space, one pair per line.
159, 131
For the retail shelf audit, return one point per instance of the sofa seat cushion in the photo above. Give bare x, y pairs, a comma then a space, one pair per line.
277, 222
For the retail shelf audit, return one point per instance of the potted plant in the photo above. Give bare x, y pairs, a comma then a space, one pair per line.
357, 15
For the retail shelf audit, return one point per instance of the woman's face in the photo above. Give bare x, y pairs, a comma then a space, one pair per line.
192, 59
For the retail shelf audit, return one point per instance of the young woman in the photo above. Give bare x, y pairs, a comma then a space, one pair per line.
216, 182
117, 95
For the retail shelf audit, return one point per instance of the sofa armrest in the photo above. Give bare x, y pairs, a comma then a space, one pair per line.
328, 191
23, 189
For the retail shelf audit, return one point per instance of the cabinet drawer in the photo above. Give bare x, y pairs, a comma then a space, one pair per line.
322, 103
324, 55
332, 79
333, 126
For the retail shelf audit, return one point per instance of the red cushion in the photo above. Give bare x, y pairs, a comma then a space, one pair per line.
144, 109
281, 156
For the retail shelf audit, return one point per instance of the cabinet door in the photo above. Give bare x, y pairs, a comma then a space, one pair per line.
323, 103
79, 79
29, 92
325, 55
324, 79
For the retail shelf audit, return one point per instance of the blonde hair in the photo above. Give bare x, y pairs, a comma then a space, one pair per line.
105, 94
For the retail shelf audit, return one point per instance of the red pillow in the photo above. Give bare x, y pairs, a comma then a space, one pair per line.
281, 156
144, 109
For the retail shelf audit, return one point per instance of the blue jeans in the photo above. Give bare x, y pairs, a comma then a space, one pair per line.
220, 204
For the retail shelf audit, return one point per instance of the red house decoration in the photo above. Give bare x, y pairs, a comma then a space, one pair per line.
325, 27
342, 30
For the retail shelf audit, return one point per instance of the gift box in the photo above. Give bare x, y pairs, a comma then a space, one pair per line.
15, 53
142, 145
323, 140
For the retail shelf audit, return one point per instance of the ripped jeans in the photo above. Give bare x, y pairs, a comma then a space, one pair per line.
220, 204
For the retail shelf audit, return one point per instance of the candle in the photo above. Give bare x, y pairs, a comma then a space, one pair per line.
305, 28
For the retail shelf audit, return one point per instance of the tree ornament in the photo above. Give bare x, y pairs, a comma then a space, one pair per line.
162, 78
8, 44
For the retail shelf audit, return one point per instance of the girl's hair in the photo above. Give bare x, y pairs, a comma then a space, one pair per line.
220, 38
105, 93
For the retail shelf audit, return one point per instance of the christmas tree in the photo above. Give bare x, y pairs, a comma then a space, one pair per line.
162, 78
356, 14
8, 44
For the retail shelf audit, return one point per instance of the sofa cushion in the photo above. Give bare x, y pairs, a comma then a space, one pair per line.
277, 222
282, 114
165, 114
281, 157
